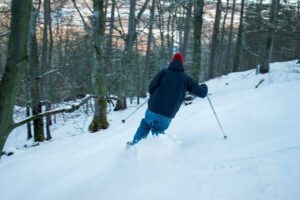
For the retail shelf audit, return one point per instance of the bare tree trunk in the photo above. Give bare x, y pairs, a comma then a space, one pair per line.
214, 42
148, 68
221, 48
28, 97
265, 67
45, 42
48, 121
127, 59
35, 83
109, 50
100, 117
48, 58
169, 38
161, 27
187, 28
198, 21
236, 61
45, 61
29, 132
229, 45
15, 66
297, 52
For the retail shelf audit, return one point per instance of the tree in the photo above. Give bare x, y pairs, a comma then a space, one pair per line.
229, 45
187, 28
100, 117
221, 47
147, 71
109, 46
127, 57
236, 61
15, 65
297, 52
265, 66
35, 81
214, 42
47, 47
197, 22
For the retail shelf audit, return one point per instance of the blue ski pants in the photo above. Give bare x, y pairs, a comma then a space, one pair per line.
155, 122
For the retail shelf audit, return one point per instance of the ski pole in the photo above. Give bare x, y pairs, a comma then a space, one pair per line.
216, 117
124, 120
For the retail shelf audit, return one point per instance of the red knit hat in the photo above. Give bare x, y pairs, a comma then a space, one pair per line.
179, 57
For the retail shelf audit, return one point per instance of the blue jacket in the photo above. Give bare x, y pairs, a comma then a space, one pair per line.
168, 89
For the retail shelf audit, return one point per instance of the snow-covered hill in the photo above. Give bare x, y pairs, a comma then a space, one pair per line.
259, 159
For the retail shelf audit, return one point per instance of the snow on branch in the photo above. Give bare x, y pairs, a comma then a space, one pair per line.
67, 109
49, 72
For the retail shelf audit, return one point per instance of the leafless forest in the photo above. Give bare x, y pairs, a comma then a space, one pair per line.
104, 51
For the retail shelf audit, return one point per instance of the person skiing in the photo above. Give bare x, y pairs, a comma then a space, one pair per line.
167, 91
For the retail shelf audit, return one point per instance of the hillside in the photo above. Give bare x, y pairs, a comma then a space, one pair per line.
258, 160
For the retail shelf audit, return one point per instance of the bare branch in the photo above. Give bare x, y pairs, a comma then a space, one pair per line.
87, 5
86, 27
250, 51
142, 9
5, 33
122, 32
50, 72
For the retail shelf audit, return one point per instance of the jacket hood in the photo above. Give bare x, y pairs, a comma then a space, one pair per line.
176, 66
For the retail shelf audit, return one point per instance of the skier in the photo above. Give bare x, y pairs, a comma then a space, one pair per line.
167, 91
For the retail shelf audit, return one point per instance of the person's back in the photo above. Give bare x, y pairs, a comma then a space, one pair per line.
167, 91
169, 87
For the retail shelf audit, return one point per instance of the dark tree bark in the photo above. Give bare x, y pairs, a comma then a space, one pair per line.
45, 61
221, 49
187, 28
236, 61
197, 21
214, 42
29, 132
15, 65
100, 117
148, 68
48, 26
48, 121
229, 45
265, 67
170, 41
109, 50
161, 27
127, 57
297, 52
35, 83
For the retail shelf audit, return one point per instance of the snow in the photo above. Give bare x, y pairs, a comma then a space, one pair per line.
258, 160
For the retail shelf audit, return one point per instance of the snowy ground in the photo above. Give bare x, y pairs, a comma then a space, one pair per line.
259, 160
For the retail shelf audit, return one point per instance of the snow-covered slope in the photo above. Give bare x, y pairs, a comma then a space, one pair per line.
259, 159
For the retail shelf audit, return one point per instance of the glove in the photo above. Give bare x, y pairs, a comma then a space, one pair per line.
204, 89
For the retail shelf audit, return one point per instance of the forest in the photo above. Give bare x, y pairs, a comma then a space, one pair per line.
107, 51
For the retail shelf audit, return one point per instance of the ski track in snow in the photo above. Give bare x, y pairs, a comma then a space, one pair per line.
258, 160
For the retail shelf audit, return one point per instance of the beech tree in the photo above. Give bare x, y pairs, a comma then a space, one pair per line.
197, 22
237, 52
100, 117
265, 66
15, 66
214, 42
35, 81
